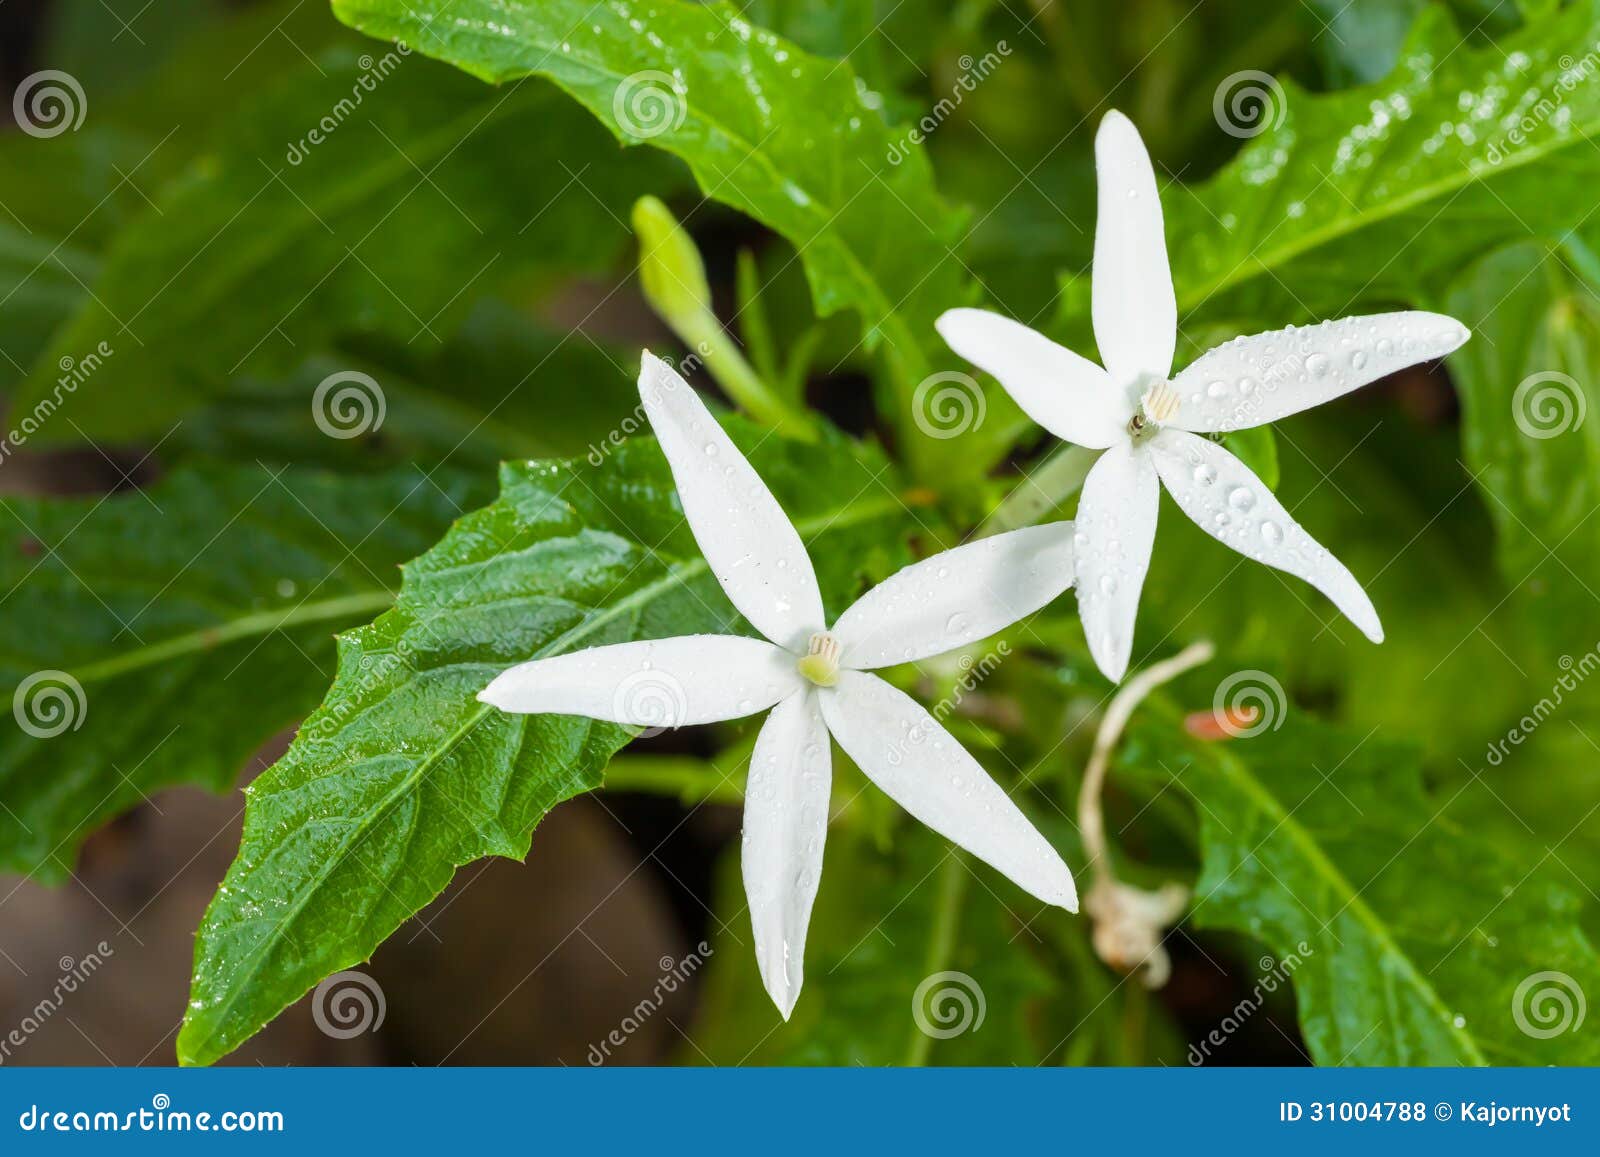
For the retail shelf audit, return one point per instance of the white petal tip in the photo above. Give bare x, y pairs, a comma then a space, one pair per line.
1066, 896
785, 1002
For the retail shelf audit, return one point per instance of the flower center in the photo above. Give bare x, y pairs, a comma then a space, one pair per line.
820, 664
1159, 404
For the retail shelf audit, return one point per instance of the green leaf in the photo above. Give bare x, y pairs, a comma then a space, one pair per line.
1380, 195
501, 387
1530, 395
164, 635
418, 197
1411, 936
778, 134
402, 775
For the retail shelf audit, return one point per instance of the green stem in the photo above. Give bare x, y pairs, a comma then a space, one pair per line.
942, 943
741, 382
1057, 479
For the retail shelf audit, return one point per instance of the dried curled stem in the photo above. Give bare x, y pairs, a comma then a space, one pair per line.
1129, 921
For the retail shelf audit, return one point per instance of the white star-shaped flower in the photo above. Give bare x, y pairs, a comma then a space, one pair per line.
1151, 427
815, 679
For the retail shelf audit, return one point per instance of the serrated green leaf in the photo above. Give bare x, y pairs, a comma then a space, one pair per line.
371, 193
1410, 937
402, 775
160, 637
1381, 194
766, 128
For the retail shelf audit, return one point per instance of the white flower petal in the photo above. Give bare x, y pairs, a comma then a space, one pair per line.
785, 824
1135, 309
1227, 501
1116, 532
1253, 380
956, 597
656, 683
753, 548
1066, 394
918, 764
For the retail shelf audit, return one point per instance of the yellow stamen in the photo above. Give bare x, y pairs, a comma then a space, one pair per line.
821, 663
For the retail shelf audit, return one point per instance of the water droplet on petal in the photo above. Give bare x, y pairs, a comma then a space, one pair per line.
1241, 499
1205, 474
1272, 532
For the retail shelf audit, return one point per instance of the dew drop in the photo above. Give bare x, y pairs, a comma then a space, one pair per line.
1241, 499
1316, 364
1205, 474
1272, 532
1358, 359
